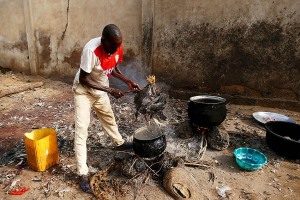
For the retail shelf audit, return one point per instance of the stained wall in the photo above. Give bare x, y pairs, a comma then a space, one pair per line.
249, 48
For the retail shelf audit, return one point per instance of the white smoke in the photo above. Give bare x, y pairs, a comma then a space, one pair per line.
135, 71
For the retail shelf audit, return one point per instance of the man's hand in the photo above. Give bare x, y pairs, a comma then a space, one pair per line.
116, 93
134, 86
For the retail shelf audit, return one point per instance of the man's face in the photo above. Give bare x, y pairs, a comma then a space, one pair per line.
111, 45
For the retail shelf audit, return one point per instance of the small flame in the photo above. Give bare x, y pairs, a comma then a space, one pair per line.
151, 79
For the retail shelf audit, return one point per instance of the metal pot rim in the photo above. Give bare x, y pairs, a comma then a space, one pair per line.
220, 99
143, 129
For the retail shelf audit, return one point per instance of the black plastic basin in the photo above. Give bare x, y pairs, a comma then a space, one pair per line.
284, 138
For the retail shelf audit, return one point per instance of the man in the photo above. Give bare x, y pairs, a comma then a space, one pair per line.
99, 60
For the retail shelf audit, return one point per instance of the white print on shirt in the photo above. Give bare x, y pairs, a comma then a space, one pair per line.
98, 67
116, 58
108, 71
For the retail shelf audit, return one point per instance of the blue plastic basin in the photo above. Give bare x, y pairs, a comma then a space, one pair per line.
249, 159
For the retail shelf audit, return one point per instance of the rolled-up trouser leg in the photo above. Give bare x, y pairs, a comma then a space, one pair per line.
106, 116
83, 104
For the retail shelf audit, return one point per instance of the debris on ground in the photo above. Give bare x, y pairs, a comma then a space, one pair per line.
181, 184
51, 105
221, 190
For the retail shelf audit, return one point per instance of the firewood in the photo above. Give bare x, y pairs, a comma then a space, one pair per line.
19, 88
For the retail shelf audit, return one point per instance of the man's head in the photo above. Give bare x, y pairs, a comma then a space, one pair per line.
111, 38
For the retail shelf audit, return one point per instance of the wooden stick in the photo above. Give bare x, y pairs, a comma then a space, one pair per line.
147, 166
196, 165
19, 88
134, 161
203, 145
129, 91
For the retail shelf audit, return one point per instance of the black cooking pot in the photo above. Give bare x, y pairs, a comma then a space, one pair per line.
284, 138
207, 110
149, 143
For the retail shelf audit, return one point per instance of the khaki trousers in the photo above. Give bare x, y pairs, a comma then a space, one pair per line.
84, 100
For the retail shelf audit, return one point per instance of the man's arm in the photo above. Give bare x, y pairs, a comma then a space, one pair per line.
118, 74
84, 79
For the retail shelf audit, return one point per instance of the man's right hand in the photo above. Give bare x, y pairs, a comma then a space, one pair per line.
116, 93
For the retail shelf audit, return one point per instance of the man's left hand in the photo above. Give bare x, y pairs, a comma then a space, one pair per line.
134, 86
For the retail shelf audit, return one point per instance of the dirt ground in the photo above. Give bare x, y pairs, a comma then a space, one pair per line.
51, 105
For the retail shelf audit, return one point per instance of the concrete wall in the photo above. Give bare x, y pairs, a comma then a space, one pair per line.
60, 38
249, 48
13, 40
46, 37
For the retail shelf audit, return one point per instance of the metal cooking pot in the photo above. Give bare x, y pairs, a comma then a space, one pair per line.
284, 138
207, 111
149, 143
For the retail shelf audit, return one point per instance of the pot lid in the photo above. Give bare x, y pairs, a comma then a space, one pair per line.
147, 133
264, 117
